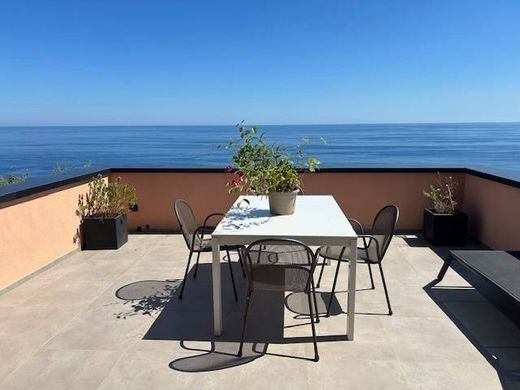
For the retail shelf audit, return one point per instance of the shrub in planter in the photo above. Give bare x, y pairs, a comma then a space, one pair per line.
268, 169
443, 223
103, 214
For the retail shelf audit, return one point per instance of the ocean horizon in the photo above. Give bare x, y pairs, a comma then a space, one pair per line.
39, 149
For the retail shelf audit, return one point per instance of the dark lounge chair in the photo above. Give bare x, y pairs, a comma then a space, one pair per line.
497, 267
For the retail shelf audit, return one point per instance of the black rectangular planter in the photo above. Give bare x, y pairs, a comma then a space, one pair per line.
106, 233
445, 229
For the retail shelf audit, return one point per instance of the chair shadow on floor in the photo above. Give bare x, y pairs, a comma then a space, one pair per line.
495, 335
296, 304
191, 319
219, 356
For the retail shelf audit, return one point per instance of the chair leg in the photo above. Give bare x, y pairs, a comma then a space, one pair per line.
316, 356
196, 265
371, 277
241, 263
333, 289
248, 301
185, 275
386, 290
315, 301
321, 273
232, 277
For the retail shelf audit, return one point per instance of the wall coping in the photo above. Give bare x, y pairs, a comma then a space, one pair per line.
32, 187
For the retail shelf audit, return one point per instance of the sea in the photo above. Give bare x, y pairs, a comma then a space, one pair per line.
45, 151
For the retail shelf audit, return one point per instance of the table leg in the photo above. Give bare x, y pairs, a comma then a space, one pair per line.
444, 268
351, 305
217, 289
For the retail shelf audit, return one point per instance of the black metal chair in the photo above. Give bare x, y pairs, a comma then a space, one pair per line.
358, 228
280, 265
373, 250
197, 242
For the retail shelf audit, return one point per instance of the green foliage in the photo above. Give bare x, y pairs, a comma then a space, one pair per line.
63, 167
442, 195
60, 168
262, 168
14, 178
105, 200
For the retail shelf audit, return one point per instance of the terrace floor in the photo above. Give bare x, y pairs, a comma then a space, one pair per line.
112, 319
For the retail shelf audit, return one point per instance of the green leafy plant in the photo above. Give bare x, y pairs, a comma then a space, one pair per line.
260, 168
63, 167
442, 195
106, 199
14, 178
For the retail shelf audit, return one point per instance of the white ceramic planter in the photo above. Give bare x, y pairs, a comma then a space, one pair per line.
282, 203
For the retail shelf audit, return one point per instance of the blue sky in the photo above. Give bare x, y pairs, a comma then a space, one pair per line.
107, 62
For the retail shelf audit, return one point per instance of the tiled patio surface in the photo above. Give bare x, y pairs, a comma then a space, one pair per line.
112, 320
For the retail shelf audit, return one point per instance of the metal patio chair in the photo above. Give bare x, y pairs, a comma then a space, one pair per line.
280, 265
198, 240
373, 250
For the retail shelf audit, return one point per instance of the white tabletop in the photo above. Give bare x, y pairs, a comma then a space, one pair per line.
317, 220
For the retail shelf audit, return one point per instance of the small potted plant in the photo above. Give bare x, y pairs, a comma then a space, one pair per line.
443, 223
268, 169
103, 213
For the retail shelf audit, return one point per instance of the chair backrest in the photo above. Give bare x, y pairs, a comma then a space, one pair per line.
279, 265
186, 219
383, 229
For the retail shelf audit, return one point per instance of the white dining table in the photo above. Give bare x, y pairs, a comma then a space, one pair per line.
317, 220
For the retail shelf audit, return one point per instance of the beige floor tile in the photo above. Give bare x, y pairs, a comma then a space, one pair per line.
48, 369
336, 372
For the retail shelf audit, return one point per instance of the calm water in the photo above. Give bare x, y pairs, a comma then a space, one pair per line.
38, 149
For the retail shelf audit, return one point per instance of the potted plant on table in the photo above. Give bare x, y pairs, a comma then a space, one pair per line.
443, 223
273, 170
103, 213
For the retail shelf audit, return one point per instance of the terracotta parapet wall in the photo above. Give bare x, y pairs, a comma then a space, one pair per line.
494, 210
359, 194
38, 223
36, 230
